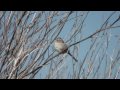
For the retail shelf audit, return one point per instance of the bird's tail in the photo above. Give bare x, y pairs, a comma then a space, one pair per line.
72, 56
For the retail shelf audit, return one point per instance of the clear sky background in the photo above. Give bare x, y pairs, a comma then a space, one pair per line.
93, 22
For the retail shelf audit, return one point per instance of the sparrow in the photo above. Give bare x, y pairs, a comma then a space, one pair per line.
62, 47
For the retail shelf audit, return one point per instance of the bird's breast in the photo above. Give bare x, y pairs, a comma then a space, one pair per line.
60, 46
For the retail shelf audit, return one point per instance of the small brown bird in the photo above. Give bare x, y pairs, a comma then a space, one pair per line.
62, 47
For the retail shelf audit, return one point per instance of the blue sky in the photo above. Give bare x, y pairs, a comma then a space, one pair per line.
93, 22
